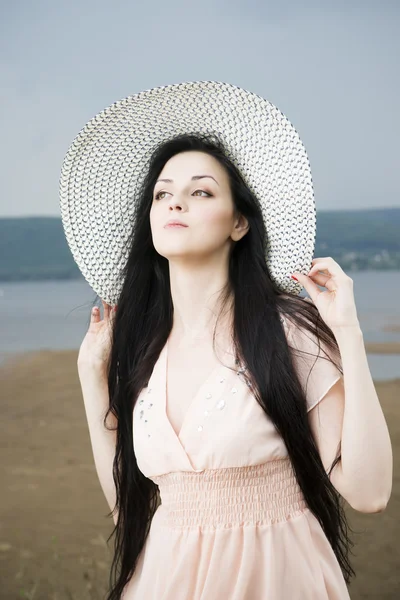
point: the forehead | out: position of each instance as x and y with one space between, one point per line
186 164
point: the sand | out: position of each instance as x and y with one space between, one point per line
53 524
383 348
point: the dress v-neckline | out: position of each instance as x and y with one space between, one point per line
213 373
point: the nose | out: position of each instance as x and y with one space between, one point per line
176 204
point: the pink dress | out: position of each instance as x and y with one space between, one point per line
232 523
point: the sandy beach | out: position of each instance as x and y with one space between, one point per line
53 524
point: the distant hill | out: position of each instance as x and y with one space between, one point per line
35 248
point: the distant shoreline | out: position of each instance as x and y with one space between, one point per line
20 359
73 274
35 249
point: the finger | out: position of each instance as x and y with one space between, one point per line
310 286
320 278
321 270
323 280
323 258
325 264
95 315
106 308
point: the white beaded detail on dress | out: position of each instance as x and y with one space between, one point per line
142 411
222 402
145 406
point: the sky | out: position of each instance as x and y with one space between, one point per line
331 67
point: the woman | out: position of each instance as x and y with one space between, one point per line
230 435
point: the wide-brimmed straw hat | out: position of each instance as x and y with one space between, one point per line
103 171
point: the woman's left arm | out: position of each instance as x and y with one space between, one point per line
350 412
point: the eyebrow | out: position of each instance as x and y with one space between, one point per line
194 178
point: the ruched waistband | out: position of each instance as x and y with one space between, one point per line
258 494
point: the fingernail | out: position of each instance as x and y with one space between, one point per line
293 277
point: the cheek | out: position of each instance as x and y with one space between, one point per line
154 219
219 221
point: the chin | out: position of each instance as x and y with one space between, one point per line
171 251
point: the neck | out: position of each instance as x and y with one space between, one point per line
195 290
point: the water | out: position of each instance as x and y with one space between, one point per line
55 315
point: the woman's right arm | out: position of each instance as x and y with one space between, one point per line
92 360
103 441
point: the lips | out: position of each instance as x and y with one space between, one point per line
174 224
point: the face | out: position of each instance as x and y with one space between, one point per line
197 194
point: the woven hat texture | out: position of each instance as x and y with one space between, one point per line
106 163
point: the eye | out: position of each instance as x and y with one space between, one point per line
157 196
202 191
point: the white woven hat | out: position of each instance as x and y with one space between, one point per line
106 163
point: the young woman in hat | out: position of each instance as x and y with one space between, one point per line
228 416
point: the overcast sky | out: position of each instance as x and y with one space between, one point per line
331 67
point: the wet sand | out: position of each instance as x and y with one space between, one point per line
383 348
53 524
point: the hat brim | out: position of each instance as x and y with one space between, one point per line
104 167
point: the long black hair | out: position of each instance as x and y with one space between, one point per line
141 327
